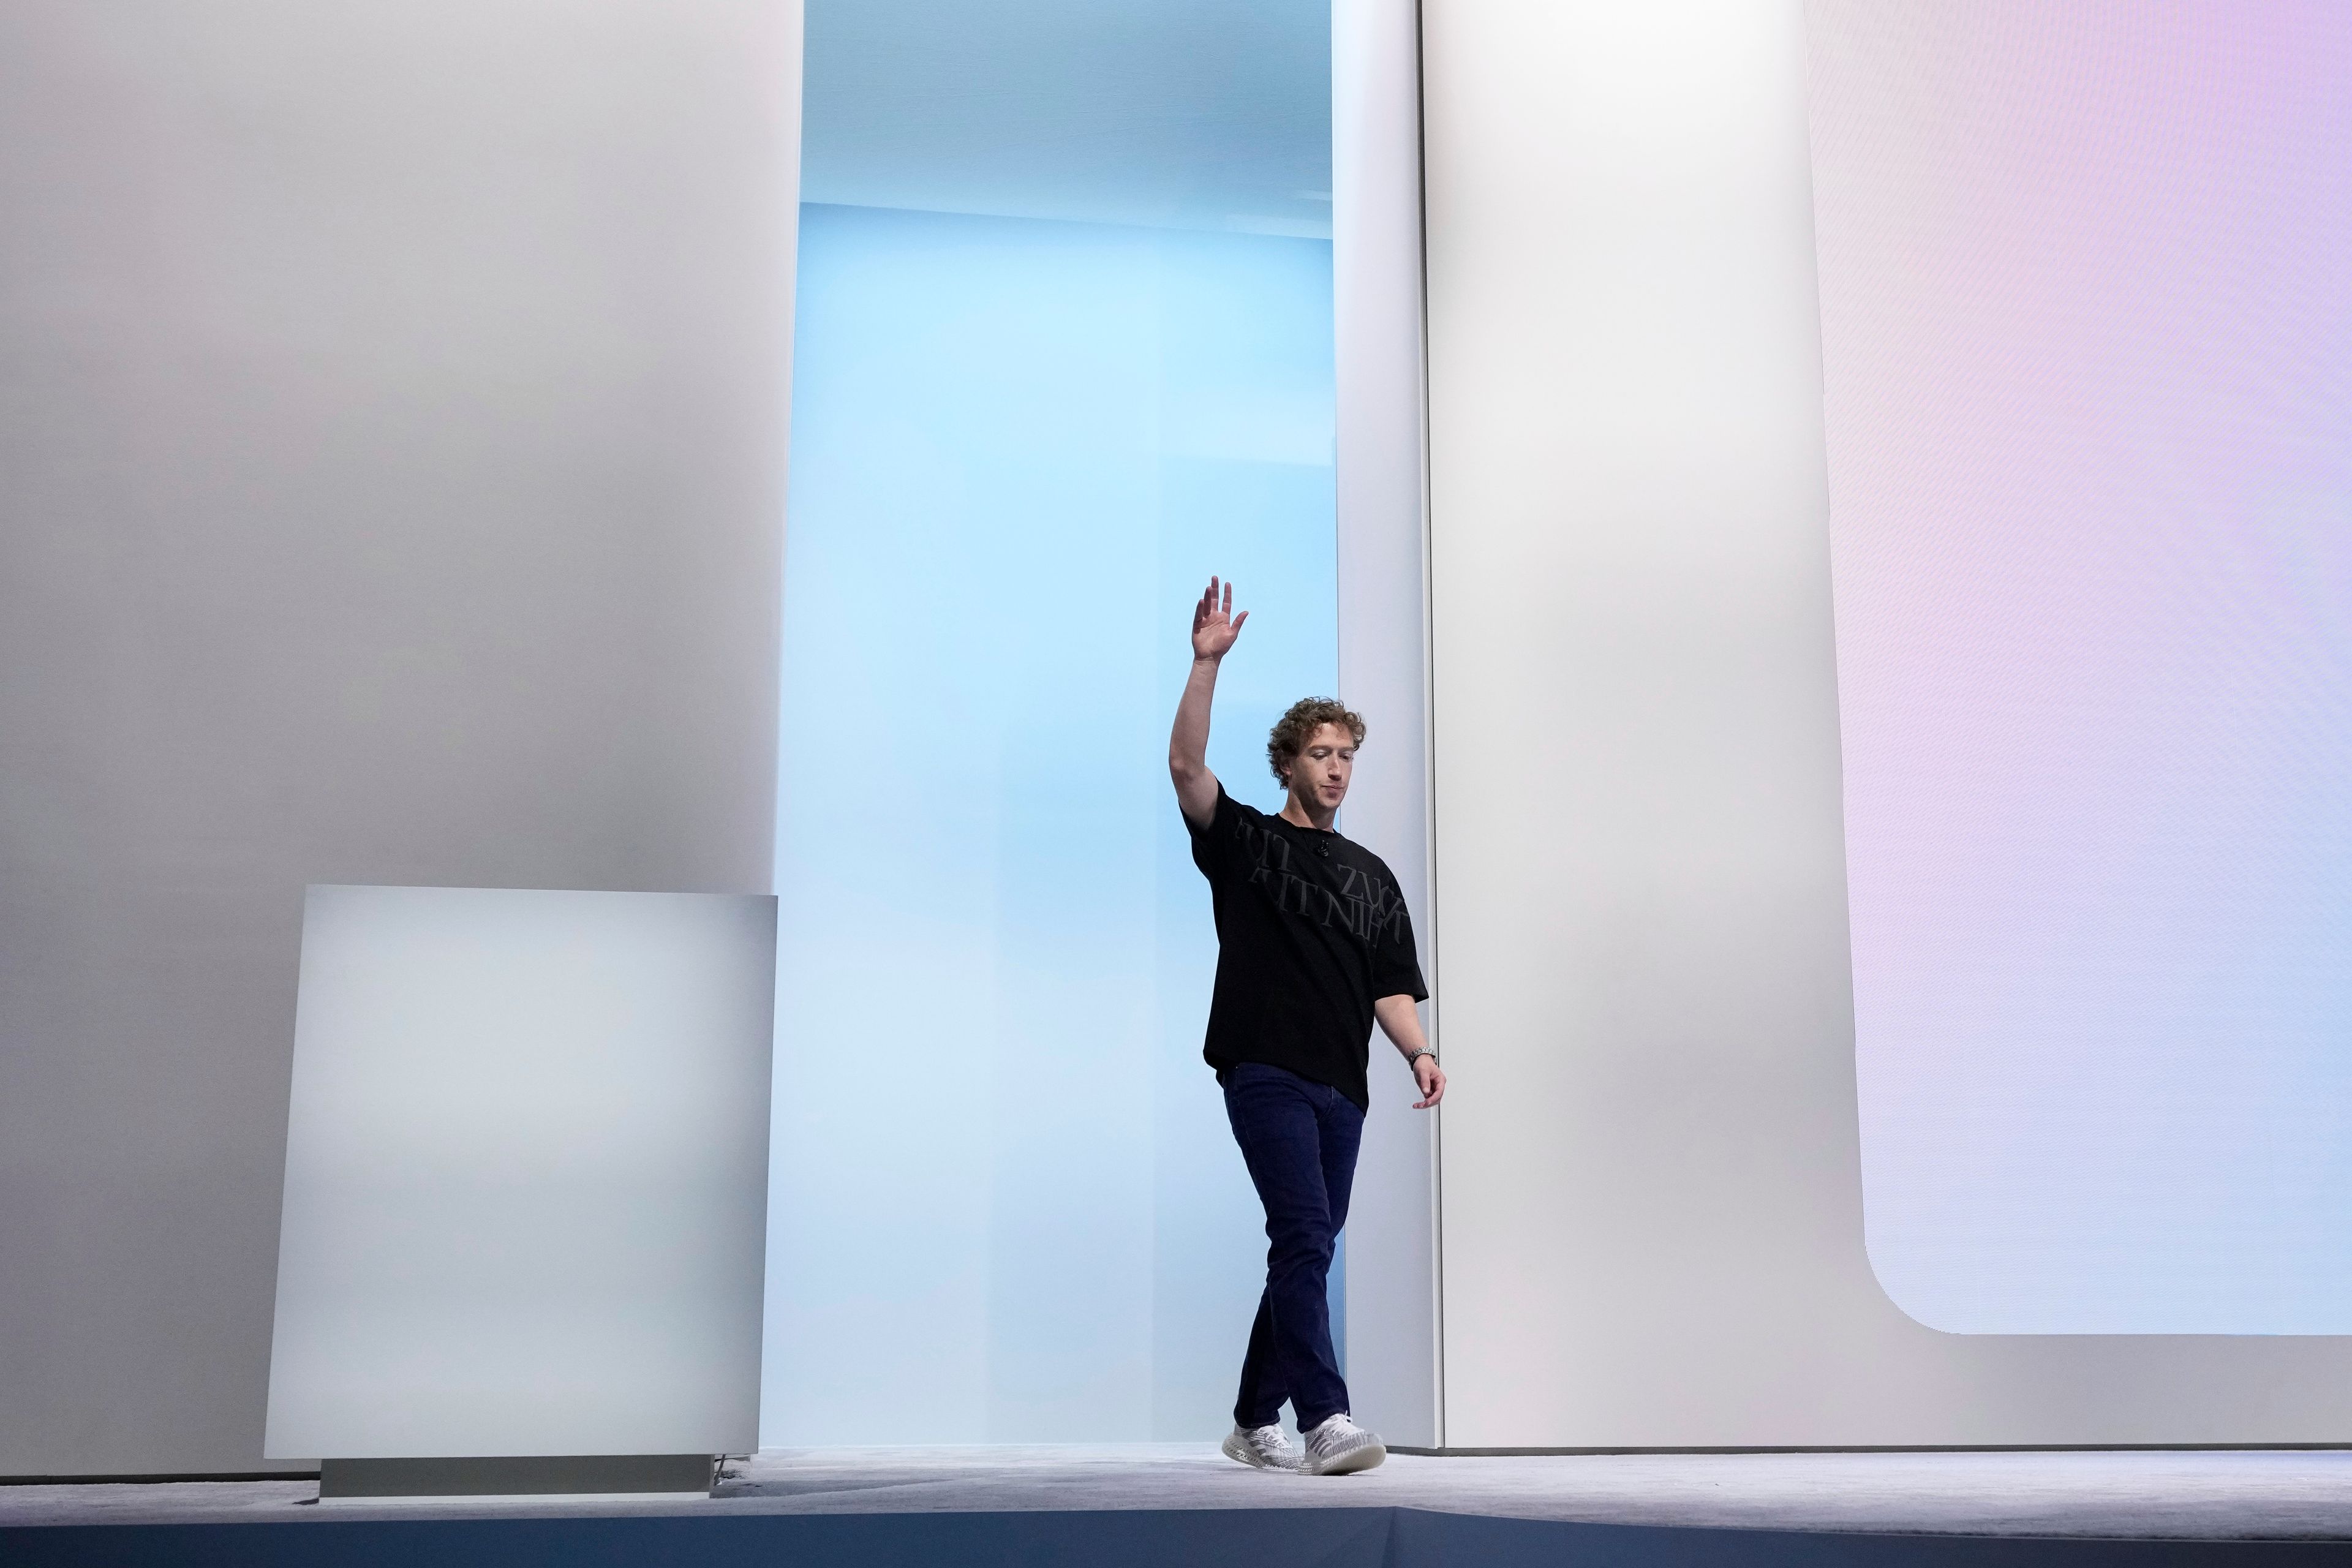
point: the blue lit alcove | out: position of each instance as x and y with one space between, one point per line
1064 349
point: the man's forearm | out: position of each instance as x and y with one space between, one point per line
1399 1020
1188 744
1215 628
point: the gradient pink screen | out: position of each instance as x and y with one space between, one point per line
2087 284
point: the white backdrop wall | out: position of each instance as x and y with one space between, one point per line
1652 1201
391 434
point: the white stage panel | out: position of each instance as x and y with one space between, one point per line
1653 1203
525 1174
1391 1255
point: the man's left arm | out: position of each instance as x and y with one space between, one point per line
1399 1020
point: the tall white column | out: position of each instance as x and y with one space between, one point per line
1391 1302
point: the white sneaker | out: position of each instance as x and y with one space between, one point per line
1340 1447
1267 1447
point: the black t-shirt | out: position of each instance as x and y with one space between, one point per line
1310 929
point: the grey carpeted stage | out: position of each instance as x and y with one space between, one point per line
1178 1503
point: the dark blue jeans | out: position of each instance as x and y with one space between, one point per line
1299 1140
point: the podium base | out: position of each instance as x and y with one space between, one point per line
512 1477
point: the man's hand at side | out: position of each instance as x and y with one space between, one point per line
1431 1081
1399 1020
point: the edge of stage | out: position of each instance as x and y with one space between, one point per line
1182 1503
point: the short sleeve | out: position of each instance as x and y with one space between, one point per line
1218 848
1396 964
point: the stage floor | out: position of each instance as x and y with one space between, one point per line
2204 1496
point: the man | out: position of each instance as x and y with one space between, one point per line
1313 945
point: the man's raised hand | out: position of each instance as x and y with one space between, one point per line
1215 628
1214 624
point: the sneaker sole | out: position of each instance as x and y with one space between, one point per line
1233 1448
1364 1458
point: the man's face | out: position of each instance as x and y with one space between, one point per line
1325 765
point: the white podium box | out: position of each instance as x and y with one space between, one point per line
526 1175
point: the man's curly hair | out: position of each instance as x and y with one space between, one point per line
1292 731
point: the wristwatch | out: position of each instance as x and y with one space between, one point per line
1412 1057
